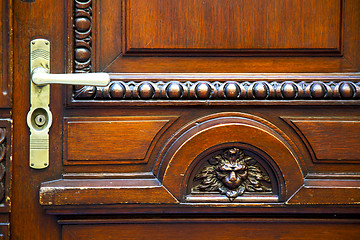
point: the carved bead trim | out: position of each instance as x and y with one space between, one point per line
2 163
231 173
82 33
82 27
229 90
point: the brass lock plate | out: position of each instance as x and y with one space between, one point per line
39 118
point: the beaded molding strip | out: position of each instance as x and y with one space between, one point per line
228 90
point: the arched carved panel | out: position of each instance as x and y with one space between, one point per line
233 172
188 152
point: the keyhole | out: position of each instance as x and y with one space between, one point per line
40 120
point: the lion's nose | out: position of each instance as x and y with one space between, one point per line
232 176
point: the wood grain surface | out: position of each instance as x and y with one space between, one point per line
5 54
232 26
122 158
218 229
331 139
109 139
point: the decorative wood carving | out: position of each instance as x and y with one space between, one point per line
187 152
232 173
2 164
82 26
228 90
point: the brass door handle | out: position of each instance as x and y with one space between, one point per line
41 76
39 117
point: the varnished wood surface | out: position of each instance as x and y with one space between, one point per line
5 231
112 139
6 64
190 113
113 191
216 229
6 32
184 26
113 60
323 195
343 143
38 19
133 200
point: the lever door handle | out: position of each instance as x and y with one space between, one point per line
41 76
39 117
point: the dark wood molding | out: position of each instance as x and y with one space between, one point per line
104 191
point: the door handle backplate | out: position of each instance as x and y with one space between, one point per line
39 117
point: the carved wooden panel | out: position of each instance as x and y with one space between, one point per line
184 26
330 139
3 150
230 159
5 165
5 178
233 173
4 231
112 140
180 162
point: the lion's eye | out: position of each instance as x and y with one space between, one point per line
225 168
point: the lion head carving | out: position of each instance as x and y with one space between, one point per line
231 173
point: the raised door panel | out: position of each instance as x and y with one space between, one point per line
220 36
330 139
231 27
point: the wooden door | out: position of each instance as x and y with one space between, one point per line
224 119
